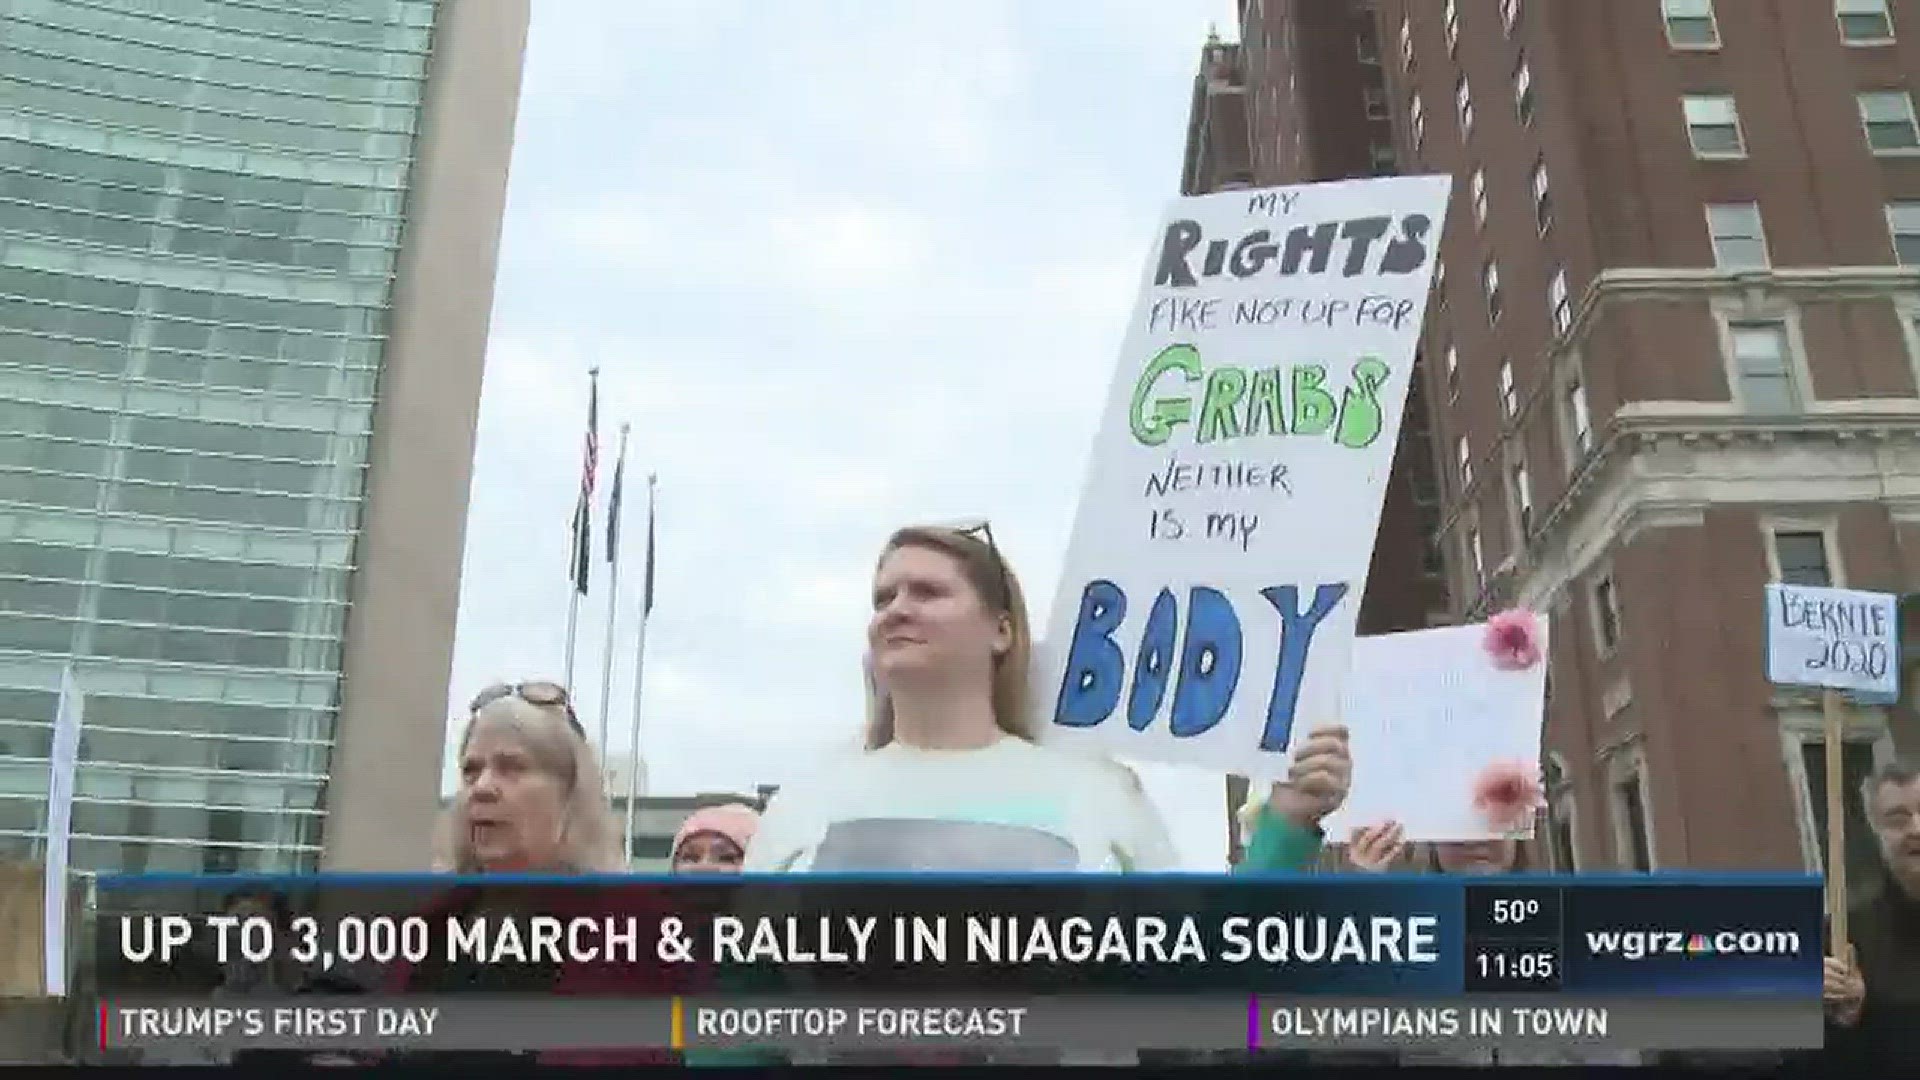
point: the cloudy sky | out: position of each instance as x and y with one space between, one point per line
843 266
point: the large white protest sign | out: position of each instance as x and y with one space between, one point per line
1837 639
1214 573
1427 713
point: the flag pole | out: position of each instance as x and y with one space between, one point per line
573 616
576 561
613 592
639 676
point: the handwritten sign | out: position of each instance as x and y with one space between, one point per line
1426 712
1214 573
1837 639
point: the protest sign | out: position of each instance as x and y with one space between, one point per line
1835 639
1427 714
1841 641
1213 576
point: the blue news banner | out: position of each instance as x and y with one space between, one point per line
807 963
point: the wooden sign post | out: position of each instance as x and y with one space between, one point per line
1835 710
1842 642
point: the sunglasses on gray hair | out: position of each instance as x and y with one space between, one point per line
538 692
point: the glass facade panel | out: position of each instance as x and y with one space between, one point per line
200 207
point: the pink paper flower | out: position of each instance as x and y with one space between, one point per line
1513 640
1506 794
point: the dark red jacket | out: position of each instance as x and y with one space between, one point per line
604 978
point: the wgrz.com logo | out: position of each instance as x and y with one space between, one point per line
1642 944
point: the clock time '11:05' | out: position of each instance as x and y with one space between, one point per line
1524 966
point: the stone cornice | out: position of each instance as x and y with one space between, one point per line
1624 485
1629 284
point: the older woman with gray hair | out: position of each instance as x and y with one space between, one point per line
531 797
531 800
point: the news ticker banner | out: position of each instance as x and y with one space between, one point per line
1420 936
803 1023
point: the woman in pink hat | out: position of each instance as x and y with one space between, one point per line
714 839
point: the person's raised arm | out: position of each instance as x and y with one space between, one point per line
1283 828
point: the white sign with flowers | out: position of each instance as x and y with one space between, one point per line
1445 727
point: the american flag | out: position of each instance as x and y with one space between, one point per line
591 470
582 556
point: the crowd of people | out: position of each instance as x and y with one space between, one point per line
951 781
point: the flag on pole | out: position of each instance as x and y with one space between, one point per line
63 760
613 500
646 603
582 556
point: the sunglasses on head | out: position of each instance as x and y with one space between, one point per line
540 692
979 529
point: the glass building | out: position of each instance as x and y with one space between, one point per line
206 372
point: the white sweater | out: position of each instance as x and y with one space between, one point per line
1011 807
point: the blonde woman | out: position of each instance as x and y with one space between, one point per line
952 780
531 801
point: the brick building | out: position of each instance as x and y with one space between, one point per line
1677 325
1302 98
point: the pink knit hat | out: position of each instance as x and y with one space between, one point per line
732 820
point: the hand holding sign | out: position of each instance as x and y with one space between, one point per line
1318 781
1375 848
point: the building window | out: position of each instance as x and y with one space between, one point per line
1606 614
1690 24
1367 47
1864 22
1633 824
1477 558
1739 240
1384 160
1856 764
1509 14
1765 381
1431 561
1523 91
1888 116
1509 392
1903 225
1802 557
1376 99
1406 44
1490 281
1464 459
1559 302
1417 121
1542 197
1463 104
1579 424
1713 126
1522 501
1453 374
1453 24
1478 186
